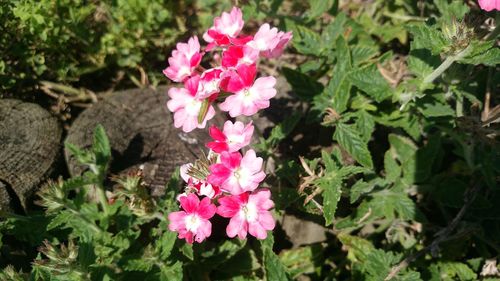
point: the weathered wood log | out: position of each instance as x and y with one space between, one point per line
29 146
140 130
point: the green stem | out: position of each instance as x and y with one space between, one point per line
103 199
445 65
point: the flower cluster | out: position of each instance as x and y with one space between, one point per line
226 182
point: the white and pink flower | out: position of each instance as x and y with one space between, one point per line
184 60
200 186
265 39
192 223
187 107
209 83
277 51
225 28
232 138
249 213
249 96
236 55
235 174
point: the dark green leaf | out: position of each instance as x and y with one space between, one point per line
351 141
370 81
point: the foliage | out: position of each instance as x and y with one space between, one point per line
73 42
406 184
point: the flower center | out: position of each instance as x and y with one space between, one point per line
235 139
193 107
192 221
249 211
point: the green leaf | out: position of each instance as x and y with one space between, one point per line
428 37
483 52
302 260
302 85
101 147
187 251
365 124
357 247
166 243
317 8
333 30
305 41
173 272
82 156
275 270
332 190
348 138
455 9
391 167
436 110
370 81
60 219
337 92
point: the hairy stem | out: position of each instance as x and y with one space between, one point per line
445 65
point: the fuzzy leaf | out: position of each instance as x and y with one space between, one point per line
348 138
370 81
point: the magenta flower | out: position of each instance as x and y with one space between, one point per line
249 213
184 60
265 39
489 5
235 174
249 96
233 137
283 39
225 28
236 55
193 222
187 107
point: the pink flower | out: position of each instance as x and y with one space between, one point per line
275 52
225 27
209 83
489 5
187 107
265 39
233 138
193 221
249 213
249 96
236 55
236 174
184 60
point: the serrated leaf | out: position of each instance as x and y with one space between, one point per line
317 8
337 93
351 141
370 81
333 30
275 270
187 251
59 219
428 37
305 40
82 156
365 124
357 247
302 85
391 167
483 52
166 243
301 260
436 110
363 53
101 147
332 190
